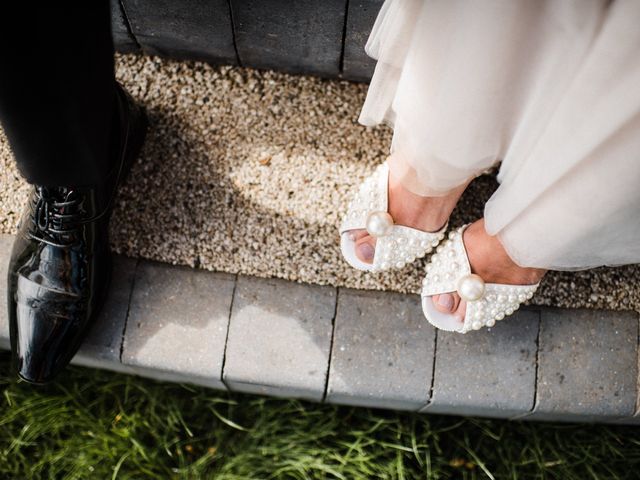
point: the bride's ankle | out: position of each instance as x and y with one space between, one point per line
489 259
428 214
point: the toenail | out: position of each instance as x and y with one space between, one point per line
445 301
366 251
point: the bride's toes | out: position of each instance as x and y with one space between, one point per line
355 235
366 248
461 310
451 303
446 302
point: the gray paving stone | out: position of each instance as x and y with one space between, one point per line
177 324
101 348
123 41
304 36
279 338
490 372
635 419
186 29
356 64
6 241
383 350
587 365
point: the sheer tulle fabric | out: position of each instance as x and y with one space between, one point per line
551 89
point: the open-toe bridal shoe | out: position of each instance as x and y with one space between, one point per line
449 272
396 245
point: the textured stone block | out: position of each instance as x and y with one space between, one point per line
186 30
356 64
279 338
490 372
635 419
101 348
587 365
6 241
304 36
123 40
177 324
383 351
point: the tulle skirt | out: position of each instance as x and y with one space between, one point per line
549 90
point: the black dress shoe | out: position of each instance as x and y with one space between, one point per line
60 263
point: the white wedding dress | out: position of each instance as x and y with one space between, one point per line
548 88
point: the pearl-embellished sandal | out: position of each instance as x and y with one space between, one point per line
449 271
396 245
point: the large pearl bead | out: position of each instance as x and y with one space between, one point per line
379 224
471 288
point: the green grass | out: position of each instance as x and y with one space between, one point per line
94 424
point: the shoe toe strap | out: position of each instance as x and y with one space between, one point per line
449 271
402 246
371 197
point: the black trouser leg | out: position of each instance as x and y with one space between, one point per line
57 90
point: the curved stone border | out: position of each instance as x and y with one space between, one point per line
353 347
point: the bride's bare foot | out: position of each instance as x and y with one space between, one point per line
428 214
488 259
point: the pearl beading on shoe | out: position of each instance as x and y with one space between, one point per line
396 245
449 271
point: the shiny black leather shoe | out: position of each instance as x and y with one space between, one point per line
60 263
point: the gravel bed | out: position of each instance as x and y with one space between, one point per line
248 171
